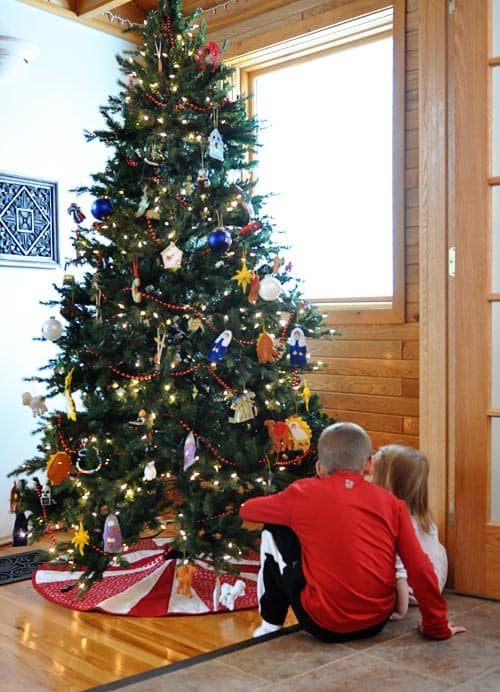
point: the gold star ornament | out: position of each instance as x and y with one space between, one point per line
243 276
81 538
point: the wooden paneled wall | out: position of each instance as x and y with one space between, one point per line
371 371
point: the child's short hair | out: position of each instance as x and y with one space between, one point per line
343 446
405 471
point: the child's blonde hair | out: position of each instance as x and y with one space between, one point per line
405 472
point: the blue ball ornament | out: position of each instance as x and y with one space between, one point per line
102 209
219 240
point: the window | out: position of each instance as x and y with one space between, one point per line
331 109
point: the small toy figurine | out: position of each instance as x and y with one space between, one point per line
228 593
184 574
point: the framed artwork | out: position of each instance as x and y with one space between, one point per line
28 222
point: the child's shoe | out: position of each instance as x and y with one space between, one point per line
265 628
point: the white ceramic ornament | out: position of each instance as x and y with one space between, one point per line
150 471
52 329
269 288
172 257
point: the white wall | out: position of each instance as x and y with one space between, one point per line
44 109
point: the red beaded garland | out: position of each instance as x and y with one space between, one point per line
154 100
151 231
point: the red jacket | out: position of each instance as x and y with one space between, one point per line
350 531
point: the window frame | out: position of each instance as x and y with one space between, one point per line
349 26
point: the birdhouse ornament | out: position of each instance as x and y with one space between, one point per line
216 145
172 257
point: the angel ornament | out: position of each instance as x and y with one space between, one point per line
297 347
244 408
220 345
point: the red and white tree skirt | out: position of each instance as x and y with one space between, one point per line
150 586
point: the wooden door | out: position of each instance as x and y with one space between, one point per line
474 364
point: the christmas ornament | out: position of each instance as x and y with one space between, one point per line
243 276
68 280
202 179
14 498
89 455
112 535
269 288
46 496
297 347
280 435
229 593
150 472
81 538
158 51
143 204
195 323
97 297
172 257
36 403
101 209
266 352
208 57
20 530
254 289
59 467
246 201
306 395
216 145
141 418
77 214
219 240
52 329
189 451
220 345
184 575
300 433
244 408
71 415
251 227
161 335
136 283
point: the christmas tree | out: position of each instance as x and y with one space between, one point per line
184 338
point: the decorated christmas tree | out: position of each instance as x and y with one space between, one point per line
182 338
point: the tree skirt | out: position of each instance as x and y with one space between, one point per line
152 585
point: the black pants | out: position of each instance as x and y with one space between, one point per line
281 581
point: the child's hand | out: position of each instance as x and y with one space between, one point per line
396 616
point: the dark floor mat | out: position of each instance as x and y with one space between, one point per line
20 566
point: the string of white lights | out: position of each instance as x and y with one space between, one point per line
112 17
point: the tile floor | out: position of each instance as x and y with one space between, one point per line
399 658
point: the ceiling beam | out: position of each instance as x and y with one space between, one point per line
88 9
